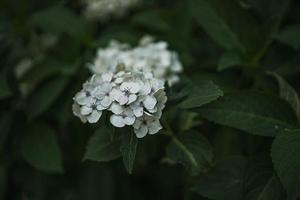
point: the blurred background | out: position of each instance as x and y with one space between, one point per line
44 50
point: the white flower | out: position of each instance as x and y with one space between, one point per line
148 57
103 9
93 98
126 118
133 98
91 113
146 125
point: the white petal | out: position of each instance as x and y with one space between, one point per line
145 89
117 121
118 80
138 111
114 93
100 107
131 98
154 127
106 87
141 132
82 99
122 99
80 95
76 112
150 102
85 110
125 86
134 88
153 110
98 92
129 120
94 116
137 124
128 112
107 77
106 101
96 79
116 108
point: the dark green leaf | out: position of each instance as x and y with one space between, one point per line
44 96
229 59
5 91
59 20
5 126
285 155
288 93
251 112
203 93
215 25
272 190
3 182
224 182
152 20
290 36
41 150
238 178
101 147
192 150
128 150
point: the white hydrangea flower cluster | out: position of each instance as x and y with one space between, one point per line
148 56
133 99
104 9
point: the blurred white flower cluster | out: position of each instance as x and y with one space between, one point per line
132 98
148 56
104 9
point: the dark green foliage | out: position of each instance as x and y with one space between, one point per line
40 148
230 126
102 147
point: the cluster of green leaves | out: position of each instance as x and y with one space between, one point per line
231 128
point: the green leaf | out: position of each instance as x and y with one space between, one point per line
6 122
151 19
290 36
285 155
229 59
271 13
192 150
5 91
203 93
128 150
101 147
215 25
225 181
41 150
45 96
58 20
3 182
239 178
288 93
251 112
272 190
